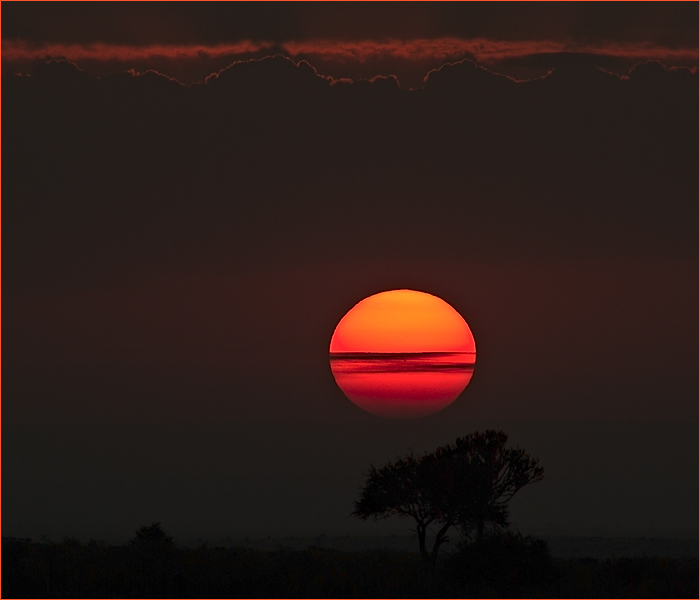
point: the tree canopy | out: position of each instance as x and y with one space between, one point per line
152 536
466 484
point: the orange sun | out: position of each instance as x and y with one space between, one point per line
402 354
402 321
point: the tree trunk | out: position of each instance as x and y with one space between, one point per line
480 531
438 542
420 530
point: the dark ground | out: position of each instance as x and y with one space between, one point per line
563 546
94 570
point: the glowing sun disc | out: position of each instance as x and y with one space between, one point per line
402 354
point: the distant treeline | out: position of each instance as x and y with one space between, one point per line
514 567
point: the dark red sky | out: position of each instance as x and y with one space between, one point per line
177 256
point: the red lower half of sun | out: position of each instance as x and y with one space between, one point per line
402 354
403 394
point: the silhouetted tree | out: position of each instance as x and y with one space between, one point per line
479 475
466 484
403 488
153 558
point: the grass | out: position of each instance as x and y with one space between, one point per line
73 570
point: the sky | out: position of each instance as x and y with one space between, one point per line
195 194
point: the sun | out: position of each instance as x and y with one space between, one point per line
402 321
402 354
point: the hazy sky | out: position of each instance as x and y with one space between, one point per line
187 218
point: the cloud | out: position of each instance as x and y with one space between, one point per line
272 71
484 50
13 50
410 59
